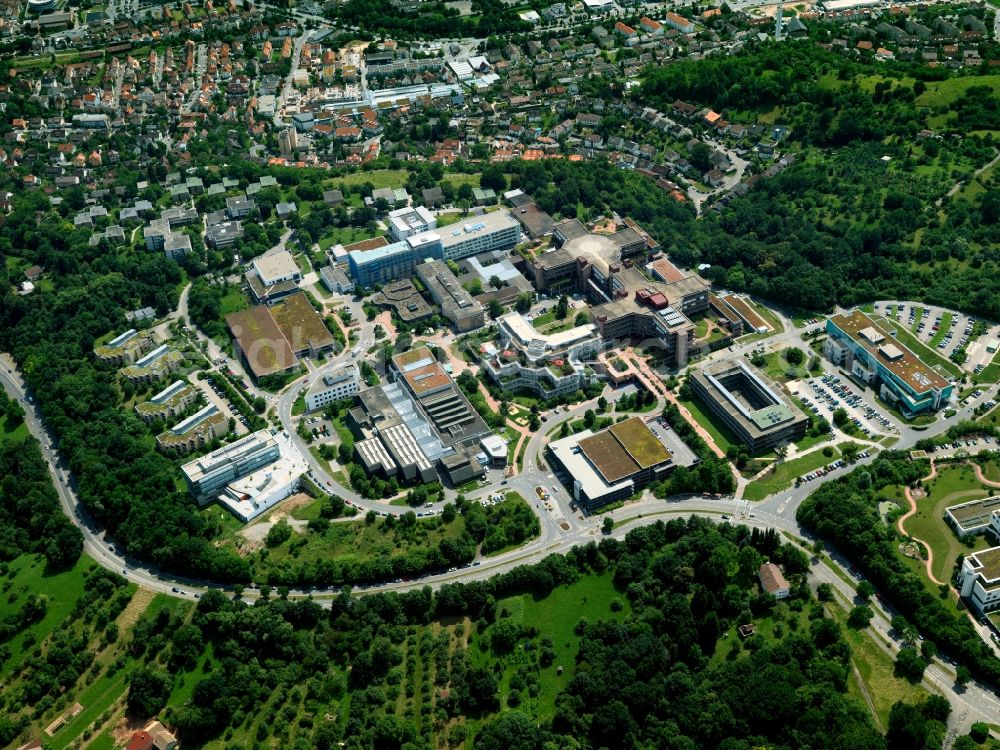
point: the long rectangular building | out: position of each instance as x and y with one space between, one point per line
208 475
457 305
871 354
748 403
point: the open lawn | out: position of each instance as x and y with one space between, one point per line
556 616
342 236
13 429
952 486
28 574
943 93
784 474
721 434
359 540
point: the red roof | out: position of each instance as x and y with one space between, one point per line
140 741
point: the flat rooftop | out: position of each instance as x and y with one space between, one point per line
526 333
495 221
261 341
974 512
988 563
300 324
427 378
276 266
889 352
666 270
624 449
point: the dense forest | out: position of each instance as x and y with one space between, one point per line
649 681
845 512
31 518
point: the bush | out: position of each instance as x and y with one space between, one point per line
280 533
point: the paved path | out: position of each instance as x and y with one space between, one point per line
900 524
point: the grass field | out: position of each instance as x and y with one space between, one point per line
29 573
342 236
359 540
876 668
15 429
943 93
721 434
953 485
556 616
785 473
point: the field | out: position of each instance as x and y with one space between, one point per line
722 435
953 485
784 474
876 670
943 93
13 429
556 616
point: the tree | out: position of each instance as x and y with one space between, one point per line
824 592
589 418
148 691
909 665
865 590
840 417
850 452
979 732
963 676
523 302
495 308
794 356
278 534
608 525
562 307
860 617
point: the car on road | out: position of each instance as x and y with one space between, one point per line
175 589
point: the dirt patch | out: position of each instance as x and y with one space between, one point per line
918 493
564 526
123 729
251 538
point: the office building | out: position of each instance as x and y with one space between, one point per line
258 491
749 404
627 304
975 517
271 338
223 235
615 463
480 234
979 580
208 475
396 261
419 425
873 356
548 365
176 246
168 403
273 277
406 222
457 305
344 383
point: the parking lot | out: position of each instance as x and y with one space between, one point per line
824 395
218 397
944 331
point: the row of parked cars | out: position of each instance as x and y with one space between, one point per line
823 471
237 414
